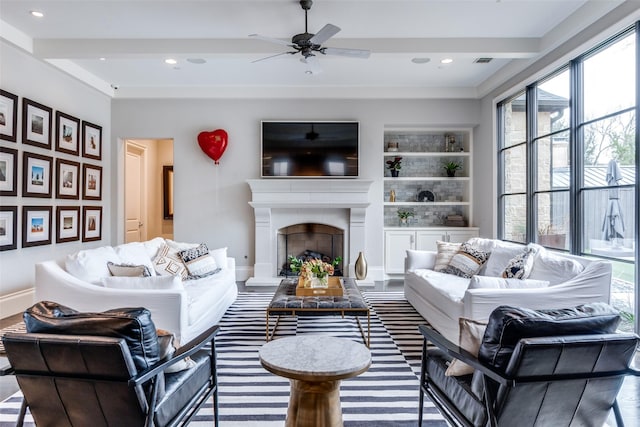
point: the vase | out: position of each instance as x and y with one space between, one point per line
361 267
320 282
394 173
451 174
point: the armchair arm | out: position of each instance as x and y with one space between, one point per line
184 351
460 353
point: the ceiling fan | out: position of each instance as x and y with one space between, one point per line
308 44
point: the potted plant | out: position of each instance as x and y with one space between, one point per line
404 216
551 236
394 166
451 167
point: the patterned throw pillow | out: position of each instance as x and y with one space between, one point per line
168 263
467 261
128 270
446 251
520 266
198 261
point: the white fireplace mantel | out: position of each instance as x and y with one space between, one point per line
277 203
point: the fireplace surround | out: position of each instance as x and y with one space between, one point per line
279 203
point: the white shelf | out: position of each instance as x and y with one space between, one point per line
426 154
427 204
426 178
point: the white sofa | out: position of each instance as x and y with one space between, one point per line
442 299
184 307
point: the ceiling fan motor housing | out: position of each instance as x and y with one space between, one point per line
306 4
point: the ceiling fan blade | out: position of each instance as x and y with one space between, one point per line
270 39
312 63
324 34
273 56
352 53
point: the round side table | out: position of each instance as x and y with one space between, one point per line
315 364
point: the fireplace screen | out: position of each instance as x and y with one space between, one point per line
308 241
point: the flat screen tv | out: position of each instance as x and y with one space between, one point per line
310 149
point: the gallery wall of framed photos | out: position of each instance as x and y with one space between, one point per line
51 175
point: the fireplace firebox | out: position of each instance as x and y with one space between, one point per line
307 241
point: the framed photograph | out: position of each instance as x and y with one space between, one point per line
36 180
36 223
91 223
36 124
67 223
92 182
67 133
67 179
91 141
8 172
8 116
8 228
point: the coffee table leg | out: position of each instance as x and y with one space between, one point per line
314 404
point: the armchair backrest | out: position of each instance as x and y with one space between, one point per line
76 380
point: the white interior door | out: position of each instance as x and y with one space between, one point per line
135 193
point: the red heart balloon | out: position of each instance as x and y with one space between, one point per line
213 143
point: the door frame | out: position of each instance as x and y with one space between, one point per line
141 150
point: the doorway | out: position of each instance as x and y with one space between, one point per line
144 192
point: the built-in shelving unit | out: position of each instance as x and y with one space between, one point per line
441 204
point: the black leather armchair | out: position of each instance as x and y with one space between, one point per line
107 371
546 367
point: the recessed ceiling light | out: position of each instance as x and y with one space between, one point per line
196 60
421 60
446 61
103 59
170 61
308 72
36 13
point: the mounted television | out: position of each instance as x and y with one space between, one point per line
310 149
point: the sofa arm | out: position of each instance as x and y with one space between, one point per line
419 259
168 306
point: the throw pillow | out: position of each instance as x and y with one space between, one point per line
554 268
135 253
471 333
486 282
220 255
418 259
446 251
519 267
198 261
467 261
154 282
500 257
91 265
128 270
167 346
168 263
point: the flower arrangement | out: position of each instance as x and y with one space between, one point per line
313 268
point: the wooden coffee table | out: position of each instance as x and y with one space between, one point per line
285 302
315 364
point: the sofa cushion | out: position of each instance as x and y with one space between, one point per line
554 268
507 325
445 253
203 294
153 282
486 282
128 270
467 261
90 265
134 325
198 261
220 256
136 253
519 267
168 263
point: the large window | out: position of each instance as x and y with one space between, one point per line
568 153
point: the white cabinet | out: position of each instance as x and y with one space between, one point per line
398 240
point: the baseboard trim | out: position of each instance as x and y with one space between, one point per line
16 302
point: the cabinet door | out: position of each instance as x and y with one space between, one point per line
461 236
396 244
426 240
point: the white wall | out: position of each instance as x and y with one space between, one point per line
211 202
27 77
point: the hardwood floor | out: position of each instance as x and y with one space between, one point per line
628 398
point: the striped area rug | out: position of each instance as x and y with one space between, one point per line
385 395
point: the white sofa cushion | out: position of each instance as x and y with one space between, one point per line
554 268
135 253
153 282
202 293
90 265
220 256
448 286
486 282
499 259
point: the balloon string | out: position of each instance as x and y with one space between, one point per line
217 186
